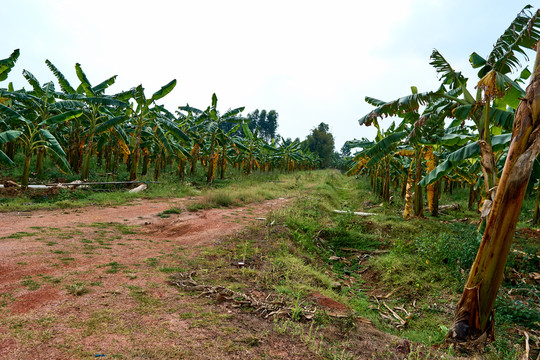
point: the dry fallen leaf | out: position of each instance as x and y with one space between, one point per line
535 276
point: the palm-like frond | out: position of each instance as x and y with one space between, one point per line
447 74
165 89
85 83
7 64
457 157
384 147
397 107
64 84
33 82
522 34
100 88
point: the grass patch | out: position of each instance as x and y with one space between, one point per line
30 283
20 235
77 289
168 212
113 267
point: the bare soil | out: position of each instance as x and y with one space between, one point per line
93 281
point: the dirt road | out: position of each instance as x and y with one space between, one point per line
92 281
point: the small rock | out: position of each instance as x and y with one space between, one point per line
139 188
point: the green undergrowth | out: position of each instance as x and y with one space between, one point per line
236 190
369 263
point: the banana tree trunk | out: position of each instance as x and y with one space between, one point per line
26 170
210 174
474 313
146 160
157 168
418 198
386 184
490 178
181 172
408 194
135 159
194 158
39 162
222 163
404 185
472 196
85 171
432 189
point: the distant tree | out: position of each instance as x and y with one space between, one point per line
346 150
261 122
321 142
254 120
265 121
271 125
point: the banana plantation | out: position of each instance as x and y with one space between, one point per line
80 127
481 134
478 136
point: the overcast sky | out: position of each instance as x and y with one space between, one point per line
311 61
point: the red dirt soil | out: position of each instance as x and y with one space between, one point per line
125 308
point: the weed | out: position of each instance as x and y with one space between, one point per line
5 299
166 213
114 267
153 262
20 235
29 283
522 312
51 279
77 289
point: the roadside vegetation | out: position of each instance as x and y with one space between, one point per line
485 139
378 266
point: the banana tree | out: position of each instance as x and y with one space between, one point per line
492 110
40 104
141 116
207 132
168 138
250 145
417 130
34 136
474 316
101 112
289 155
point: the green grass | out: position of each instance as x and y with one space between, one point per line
20 235
421 264
173 210
113 267
77 289
30 283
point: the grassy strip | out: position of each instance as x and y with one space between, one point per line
234 191
419 265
